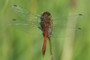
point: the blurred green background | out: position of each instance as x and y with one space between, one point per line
20 38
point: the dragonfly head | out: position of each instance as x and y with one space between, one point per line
45 15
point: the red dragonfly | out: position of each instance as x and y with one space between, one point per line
46 28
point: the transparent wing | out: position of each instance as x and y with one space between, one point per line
32 19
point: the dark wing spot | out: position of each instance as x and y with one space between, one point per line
14 19
15 5
80 14
79 28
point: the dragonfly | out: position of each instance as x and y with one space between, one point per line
46 27
47 31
